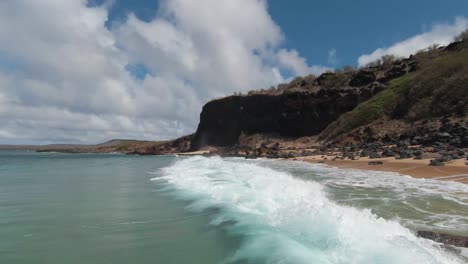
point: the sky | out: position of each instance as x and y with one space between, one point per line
80 71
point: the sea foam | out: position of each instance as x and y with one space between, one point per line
283 219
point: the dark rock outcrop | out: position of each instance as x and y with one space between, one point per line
363 77
447 239
289 114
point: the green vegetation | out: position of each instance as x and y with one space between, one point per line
438 88
441 87
386 61
371 110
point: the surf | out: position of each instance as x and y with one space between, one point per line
283 219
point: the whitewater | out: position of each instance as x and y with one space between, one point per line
292 212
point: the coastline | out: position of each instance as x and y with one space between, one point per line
455 170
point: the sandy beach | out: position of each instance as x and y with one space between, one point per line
455 170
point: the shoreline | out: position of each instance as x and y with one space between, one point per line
455 170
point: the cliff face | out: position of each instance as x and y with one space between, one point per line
428 85
289 114
305 107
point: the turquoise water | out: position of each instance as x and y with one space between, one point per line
87 208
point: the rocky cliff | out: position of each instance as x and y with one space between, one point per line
305 107
418 97
294 113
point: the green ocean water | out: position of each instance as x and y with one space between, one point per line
86 208
103 208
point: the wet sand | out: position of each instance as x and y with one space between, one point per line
455 170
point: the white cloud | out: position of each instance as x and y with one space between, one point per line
291 60
441 34
69 82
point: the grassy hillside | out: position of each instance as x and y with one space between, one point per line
438 88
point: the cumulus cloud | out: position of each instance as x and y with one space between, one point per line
441 34
291 60
64 77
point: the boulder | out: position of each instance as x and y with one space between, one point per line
436 162
458 241
395 72
444 137
388 153
405 154
363 77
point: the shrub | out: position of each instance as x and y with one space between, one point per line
282 86
310 78
348 69
296 82
433 47
388 59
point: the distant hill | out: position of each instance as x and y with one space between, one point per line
115 145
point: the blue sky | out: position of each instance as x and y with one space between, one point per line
352 28
80 71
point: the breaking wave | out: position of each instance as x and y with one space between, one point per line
283 219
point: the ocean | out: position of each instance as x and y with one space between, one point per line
112 208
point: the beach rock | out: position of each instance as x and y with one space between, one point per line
388 153
436 162
405 154
378 162
364 153
275 147
444 137
273 156
417 140
403 143
458 241
464 142
416 152
446 158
